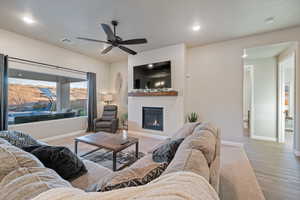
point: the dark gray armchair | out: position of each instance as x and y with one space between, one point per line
109 121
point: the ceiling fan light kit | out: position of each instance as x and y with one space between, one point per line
114 40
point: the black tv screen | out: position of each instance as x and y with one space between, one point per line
152 76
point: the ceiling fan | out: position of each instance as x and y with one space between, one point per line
115 41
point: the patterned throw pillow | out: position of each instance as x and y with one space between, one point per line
140 173
19 139
167 151
142 180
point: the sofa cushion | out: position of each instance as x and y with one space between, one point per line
140 173
95 172
166 152
191 160
201 140
60 159
27 183
103 124
108 115
14 159
174 186
185 131
207 126
19 139
3 141
205 139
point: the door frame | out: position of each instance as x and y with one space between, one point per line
280 104
281 99
250 68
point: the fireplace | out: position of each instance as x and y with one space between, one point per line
153 118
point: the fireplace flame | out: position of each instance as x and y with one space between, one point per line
156 123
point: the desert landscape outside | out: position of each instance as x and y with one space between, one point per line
32 100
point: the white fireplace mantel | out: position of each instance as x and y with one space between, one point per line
173 104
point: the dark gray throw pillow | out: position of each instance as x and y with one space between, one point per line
60 159
166 152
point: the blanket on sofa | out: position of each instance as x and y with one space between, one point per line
173 186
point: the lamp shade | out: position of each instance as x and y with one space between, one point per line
108 97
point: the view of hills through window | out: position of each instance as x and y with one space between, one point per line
32 100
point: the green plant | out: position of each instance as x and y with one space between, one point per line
124 117
193 117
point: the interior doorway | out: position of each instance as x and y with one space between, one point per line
269 92
248 99
286 98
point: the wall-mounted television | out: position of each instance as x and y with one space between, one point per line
152 76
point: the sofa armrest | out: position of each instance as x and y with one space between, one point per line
95 122
98 120
215 165
115 125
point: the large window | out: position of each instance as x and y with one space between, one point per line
34 96
78 97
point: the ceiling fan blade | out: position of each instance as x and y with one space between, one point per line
107 50
91 40
128 50
109 32
134 41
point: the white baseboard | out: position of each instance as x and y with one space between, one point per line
160 137
297 153
256 137
230 143
49 139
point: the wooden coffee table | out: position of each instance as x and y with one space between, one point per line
110 142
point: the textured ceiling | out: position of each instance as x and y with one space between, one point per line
162 22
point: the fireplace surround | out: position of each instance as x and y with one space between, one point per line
153 118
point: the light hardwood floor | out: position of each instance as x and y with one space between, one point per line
276 168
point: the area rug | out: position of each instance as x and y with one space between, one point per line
105 158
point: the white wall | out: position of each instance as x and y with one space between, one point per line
173 106
119 85
19 46
265 97
215 88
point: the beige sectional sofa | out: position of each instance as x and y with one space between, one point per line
196 162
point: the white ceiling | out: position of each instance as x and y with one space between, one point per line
162 22
267 51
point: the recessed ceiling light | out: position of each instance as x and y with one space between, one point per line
270 20
150 66
28 20
196 28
